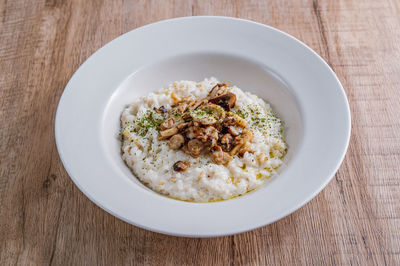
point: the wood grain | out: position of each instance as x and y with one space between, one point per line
45 219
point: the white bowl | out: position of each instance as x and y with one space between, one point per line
299 85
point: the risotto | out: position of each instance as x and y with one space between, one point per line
203 141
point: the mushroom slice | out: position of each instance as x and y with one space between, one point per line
213 92
234 131
186 117
198 103
193 104
182 126
182 107
235 149
176 141
194 132
178 109
247 135
234 119
226 142
208 114
220 157
165 134
210 134
181 166
217 90
226 101
192 123
190 132
241 140
167 123
195 147
245 148
205 120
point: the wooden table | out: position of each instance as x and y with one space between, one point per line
45 219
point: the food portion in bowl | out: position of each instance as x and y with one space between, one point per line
203 141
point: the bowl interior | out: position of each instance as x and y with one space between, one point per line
246 74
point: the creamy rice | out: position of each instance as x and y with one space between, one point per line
151 159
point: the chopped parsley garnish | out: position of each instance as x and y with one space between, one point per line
147 121
259 119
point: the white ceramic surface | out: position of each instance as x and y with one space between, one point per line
300 86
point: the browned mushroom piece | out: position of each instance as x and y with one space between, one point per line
205 120
218 156
241 140
194 132
226 142
198 103
233 131
178 109
182 107
176 141
219 127
181 166
233 119
240 121
226 101
213 92
193 123
165 134
217 90
247 134
215 109
208 114
181 126
245 148
187 117
235 149
185 149
195 147
210 135
167 123
193 104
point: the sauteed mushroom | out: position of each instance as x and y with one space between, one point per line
167 123
195 147
220 157
181 166
176 141
226 101
207 125
226 142
165 134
